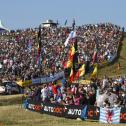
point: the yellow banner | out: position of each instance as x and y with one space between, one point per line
24 83
83 81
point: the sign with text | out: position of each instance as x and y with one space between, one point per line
68 111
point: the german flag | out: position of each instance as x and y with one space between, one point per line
75 57
71 75
39 47
68 64
39 41
80 72
94 58
72 52
72 61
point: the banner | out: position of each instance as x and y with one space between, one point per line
110 115
24 83
53 78
68 111
41 80
84 82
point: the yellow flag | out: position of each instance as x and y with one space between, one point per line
94 74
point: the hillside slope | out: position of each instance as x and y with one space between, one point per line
16 115
112 69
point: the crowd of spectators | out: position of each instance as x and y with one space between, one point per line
101 38
105 92
19 60
18 49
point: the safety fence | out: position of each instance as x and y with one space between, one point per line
68 111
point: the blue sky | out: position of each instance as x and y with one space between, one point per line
30 13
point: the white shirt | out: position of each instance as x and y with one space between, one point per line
105 83
100 100
44 92
1 65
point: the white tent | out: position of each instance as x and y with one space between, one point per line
2 28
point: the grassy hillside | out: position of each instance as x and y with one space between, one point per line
10 100
112 69
16 115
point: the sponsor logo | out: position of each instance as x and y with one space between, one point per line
35 107
74 112
123 116
92 113
54 109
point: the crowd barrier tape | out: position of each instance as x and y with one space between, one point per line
53 78
67 111
41 80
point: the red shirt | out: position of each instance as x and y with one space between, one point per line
54 89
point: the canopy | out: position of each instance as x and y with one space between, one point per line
2 28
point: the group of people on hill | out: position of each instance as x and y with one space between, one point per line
19 60
105 92
19 49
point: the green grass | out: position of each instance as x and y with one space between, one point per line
111 69
16 115
10 99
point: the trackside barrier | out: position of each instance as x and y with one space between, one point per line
67 111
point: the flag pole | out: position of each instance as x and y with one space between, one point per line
39 47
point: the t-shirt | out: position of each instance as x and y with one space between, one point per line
54 89
44 92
